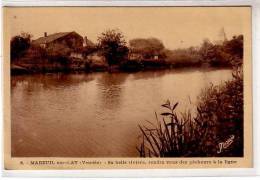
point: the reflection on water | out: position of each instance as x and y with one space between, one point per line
97 114
111 89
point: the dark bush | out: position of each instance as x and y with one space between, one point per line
19 44
131 65
153 63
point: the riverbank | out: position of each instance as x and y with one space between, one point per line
86 66
75 66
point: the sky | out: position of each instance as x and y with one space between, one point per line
176 27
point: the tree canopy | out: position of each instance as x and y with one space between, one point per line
19 44
113 46
229 53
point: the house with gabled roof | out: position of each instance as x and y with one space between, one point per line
66 43
70 40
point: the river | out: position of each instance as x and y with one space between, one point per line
96 114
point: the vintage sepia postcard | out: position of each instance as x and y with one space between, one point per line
127 87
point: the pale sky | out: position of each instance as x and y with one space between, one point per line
176 27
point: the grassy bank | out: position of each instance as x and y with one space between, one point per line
216 130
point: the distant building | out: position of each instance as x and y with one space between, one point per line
135 56
70 40
140 56
62 42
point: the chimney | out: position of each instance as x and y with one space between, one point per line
85 41
45 34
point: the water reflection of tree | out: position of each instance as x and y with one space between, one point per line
111 87
49 81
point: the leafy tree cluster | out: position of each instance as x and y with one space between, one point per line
113 46
229 53
19 45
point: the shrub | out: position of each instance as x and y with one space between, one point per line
224 106
219 118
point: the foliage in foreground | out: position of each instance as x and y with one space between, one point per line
215 130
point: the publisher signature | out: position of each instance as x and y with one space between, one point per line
224 145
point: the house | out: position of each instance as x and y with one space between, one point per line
66 43
141 56
135 56
70 40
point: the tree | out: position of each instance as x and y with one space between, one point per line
206 49
113 46
235 48
19 44
148 47
229 53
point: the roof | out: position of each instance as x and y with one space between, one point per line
89 43
50 38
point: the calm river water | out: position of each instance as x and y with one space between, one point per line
97 114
